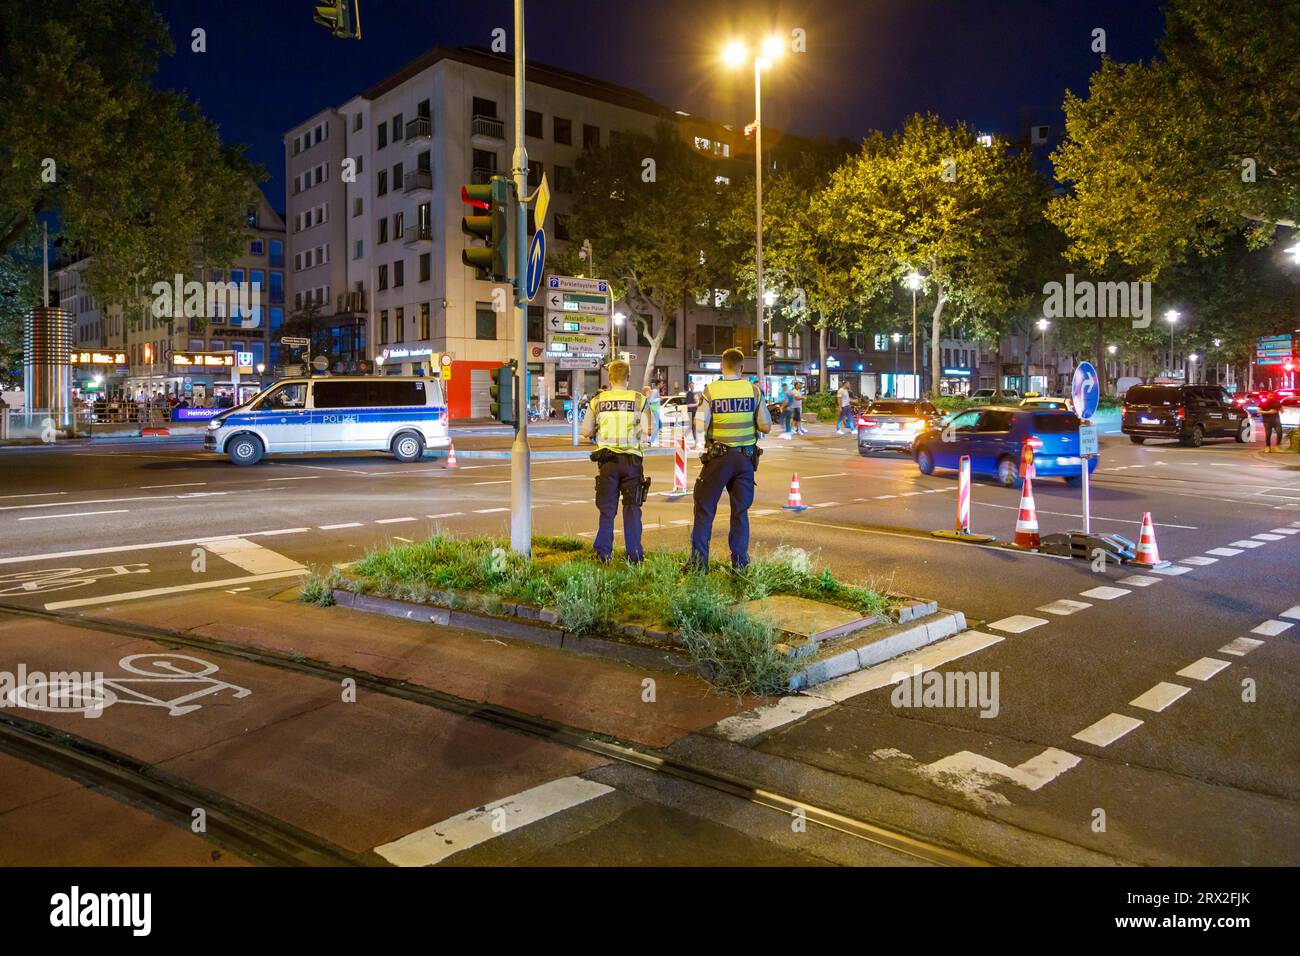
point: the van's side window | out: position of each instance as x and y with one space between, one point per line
394 393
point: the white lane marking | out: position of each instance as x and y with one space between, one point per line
907 666
1108 730
335 527
909 494
1159 697
1266 537
1272 628
1033 774
824 504
1105 593
400 538
35 494
883 497
76 514
176 589
650 527
1138 581
1203 669
84 552
435 843
92 501
1063 607
1224 552
504 481
251 557
760 720
297 478
488 511
1240 646
1170 572
1277 530
1247 543
838 474
1199 561
1292 612
1068 514
183 484
393 520
682 521
1018 623
760 512
447 514
266 534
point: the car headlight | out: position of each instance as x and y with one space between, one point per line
213 425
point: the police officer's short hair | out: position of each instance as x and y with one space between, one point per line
733 360
619 372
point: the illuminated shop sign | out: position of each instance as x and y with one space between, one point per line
98 358
203 359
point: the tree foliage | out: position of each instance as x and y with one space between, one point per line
135 177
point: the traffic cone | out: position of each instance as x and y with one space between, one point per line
1148 555
451 456
796 499
1027 519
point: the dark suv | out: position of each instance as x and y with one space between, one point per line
1190 413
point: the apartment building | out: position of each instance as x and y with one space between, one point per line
393 290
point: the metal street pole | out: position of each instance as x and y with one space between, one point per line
521 504
916 382
573 375
758 213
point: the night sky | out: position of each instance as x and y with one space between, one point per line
869 63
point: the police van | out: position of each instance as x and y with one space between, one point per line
401 414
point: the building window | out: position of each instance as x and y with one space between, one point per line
277 286
533 124
399 273
357 206
382 130
562 130
397 175
426 264
485 321
484 107
356 122
564 181
277 318
383 326
383 231
257 248
424 321
856 341
422 109
383 276
399 224
277 254
381 187
399 324
590 136
535 170
397 128
360 250
423 162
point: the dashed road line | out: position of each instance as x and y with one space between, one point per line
76 514
1203 669
1272 628
1064 607
447 514
1105 593
1018 623
1108 730
1247 543
489 511
336 527
1138 581
1170 572
392 520
1240 647
1199 561
1159 697
1225 552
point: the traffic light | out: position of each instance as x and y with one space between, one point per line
491 260
502 391
343 17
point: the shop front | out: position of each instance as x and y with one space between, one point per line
955 381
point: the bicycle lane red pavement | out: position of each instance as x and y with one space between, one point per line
358 774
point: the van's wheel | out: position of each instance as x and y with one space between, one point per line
408 447
924 462
1009 473
1243 433
245 449
1137 439
1197 437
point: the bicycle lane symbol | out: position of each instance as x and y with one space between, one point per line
148 688
61 579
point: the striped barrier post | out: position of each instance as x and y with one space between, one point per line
963 532
679 470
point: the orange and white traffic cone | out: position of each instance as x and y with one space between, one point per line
451 456
1148 555
1027 519
795 503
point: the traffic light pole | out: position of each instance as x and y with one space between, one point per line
521 504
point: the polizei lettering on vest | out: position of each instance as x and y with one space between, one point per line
617 405
723 406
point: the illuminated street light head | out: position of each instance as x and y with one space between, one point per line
769 297
1193 357
1171 316
734 53
773 47
1218 343
1043 324
1112 349
913 280
898 336
618 318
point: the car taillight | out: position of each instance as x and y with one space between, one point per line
1180 414
866 423
1034 442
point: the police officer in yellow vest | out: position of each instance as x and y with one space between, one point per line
617 419
731 415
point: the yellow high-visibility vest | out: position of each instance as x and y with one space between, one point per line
618 420
734 406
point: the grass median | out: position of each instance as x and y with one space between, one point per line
598 599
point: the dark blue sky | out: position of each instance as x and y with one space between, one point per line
869 63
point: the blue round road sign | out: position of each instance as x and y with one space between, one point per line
1086 390
536 260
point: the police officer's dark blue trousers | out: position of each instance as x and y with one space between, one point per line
620 475
734 473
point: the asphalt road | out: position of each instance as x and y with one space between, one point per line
1208 775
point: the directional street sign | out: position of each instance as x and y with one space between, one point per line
584 302
1086 391
577 284
536 262
574 322
1087 440
577 343
290 340
575 362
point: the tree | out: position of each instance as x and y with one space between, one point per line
134 177
649 205
1167 158
19 289
933 198
302 323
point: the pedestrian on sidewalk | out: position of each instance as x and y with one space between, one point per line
692 403
1270 409
845 421
652 396
796 408
784 398
618 419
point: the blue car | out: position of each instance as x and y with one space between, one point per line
994 437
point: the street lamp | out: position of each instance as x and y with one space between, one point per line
619 319
897 337
1171 317
913 281
734 55
1042 327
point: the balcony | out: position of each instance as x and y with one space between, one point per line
479 175
488 127
417 181
419 130
349 303
418 236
